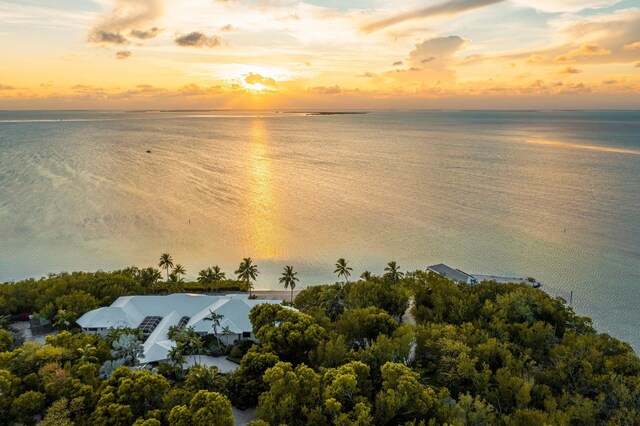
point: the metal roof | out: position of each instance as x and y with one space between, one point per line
189 310
449 272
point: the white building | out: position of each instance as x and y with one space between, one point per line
155 314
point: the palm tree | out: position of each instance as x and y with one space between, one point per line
204 277
217 275
215 318
342 269
175 283
176 356
392 272
179 270
289 279
166 262
149 277
64 319
247 272
366 276
88 354
194 342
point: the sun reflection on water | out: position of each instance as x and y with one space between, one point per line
262 208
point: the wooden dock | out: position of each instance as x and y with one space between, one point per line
505 280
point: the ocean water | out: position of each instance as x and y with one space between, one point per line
549 194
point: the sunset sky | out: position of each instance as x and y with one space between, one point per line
132 54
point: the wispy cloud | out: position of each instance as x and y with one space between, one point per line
450 7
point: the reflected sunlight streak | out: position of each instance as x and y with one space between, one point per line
589 147
262 209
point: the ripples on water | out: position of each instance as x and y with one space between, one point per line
553 195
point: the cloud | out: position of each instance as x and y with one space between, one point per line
145 35
448 8
632 46
589 49
367 75
254 78
574 89
123 54
127 16
107 37
194 89
228 27
397 63
597 39
569 70
197 39
6 87
534 59
557 6
436 53
324 90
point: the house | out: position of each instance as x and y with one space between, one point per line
453 274
155 314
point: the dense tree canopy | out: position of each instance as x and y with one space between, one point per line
491 354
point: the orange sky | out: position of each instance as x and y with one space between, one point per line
147 54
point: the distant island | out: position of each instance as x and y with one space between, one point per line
324 112
397 348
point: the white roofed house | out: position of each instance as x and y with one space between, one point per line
155 314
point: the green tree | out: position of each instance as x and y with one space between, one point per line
27 405
64 319
149 277
294 396
58 414
138 392
361 326
247 382
205 378
247 272
365 276
291 335
342 269
402 397
392 272
6 340
76 301
166 262
206 408
289 279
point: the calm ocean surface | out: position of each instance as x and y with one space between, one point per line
553 195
